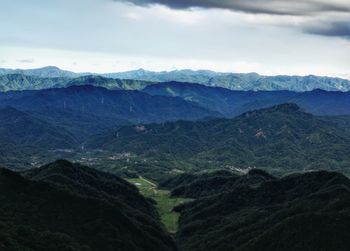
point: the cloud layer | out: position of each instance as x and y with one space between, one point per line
322 17
278 7
332 29
107 36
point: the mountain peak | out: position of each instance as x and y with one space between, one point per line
287 107
283 108
49 67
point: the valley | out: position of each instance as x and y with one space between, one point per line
164 202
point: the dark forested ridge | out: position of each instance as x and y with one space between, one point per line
308 211
65 206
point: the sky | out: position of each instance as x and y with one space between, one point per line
270 37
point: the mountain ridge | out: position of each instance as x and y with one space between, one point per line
234 81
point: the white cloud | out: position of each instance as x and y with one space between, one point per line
108 36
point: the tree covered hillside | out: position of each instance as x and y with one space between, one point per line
282 138
308 211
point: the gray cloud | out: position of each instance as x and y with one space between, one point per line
331 12
277 7
332 29
26 60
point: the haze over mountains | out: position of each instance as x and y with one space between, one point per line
241 167
233 81
80 112
236 138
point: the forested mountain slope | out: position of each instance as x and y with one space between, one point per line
26 130
308 211
65 206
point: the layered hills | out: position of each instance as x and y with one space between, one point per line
41 122
132 106
232 103
82 111
282 137
247 160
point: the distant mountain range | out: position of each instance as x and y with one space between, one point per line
45 72
233 81
240 81
20 82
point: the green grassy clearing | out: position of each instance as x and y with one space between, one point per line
165 203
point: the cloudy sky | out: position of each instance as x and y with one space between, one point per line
265 36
